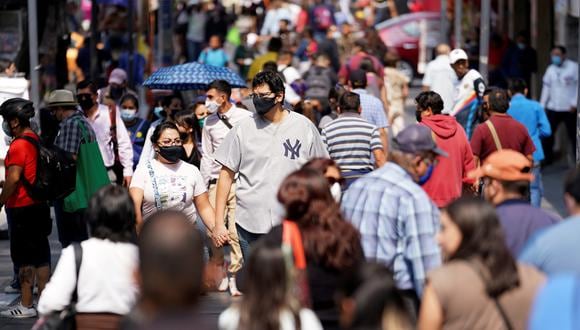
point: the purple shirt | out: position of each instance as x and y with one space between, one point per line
520 221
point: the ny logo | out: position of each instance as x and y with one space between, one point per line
292 151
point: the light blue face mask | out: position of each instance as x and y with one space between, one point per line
556 60
425 177
158 112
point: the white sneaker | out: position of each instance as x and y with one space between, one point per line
234 288
223 285
19 312
9 289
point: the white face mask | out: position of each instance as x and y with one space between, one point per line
211 106
336 192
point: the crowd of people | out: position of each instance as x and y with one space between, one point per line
309 194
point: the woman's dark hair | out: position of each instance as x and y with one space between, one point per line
266 268
319 165
430 99
377 300
483 240
166 100
131 98
329 240
111 214
187 118
160 128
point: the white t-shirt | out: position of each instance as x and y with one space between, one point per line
441 79
177 185
230 319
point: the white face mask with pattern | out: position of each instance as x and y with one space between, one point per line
336 192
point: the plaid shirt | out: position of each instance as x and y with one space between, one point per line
70 135
372 109
398 223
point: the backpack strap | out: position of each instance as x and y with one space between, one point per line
36 144
494 134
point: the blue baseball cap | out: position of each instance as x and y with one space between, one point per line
417 138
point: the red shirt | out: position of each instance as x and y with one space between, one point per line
512 135
22 153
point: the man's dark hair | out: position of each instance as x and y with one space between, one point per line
111 214
170 261
270 66
358 79
561 48
272 79
572 184
5 64
222 86
430 100
349 102
499 100
275 45
130 97
517 85
285 20
521 187
87 84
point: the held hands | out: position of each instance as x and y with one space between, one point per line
220 236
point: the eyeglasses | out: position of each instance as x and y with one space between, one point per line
261 95
170 143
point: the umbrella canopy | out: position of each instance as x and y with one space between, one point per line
191 76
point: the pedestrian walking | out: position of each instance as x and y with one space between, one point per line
395 92
136 127
440 78
224 117
74 130
187 124
262 150
399 234
275 308
168 183
500 131
552 250
29 219
450 175
98 272
560 98
469 91
214 54
330 170
481 285
532 115
352 142
112 136
115 90
506 176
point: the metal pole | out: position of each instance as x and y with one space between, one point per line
511 20
484 38
130 8
457 20
501 15
94 41
33 54
443 22
578 109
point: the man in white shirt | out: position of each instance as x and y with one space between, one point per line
106 125
560 97
440 77
468 91
224 116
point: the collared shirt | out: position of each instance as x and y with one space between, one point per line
398 223
350 141
70 134
213 134
560 87
372 109
441 79
555 249
532 115
101 123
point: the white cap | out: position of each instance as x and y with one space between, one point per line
456 55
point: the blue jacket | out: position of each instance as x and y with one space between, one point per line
531 114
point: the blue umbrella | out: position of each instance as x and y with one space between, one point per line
191 76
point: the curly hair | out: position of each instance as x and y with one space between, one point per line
328 238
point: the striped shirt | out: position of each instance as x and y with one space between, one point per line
398 223
350 141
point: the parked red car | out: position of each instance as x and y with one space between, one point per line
403 34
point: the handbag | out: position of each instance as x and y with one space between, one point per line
65 319
294 250
91 173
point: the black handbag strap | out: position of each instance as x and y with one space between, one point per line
225 121
78 250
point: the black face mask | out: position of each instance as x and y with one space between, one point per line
86 102
116 92
172 154
263 104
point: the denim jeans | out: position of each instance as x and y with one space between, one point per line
246 240
536 187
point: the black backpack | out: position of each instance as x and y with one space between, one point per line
56 173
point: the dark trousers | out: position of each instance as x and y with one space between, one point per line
246 240
555 118
72 227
